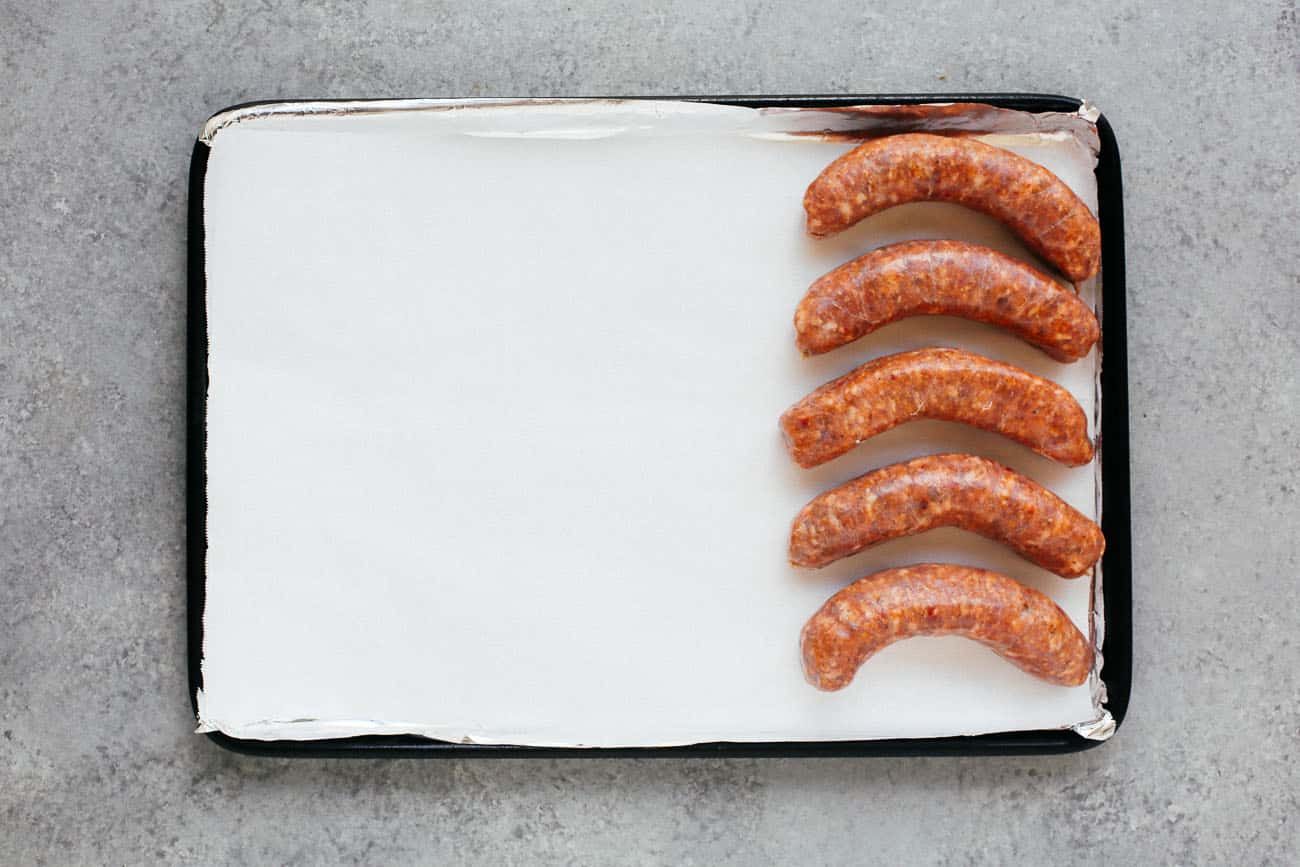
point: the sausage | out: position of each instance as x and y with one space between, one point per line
946 278
937 383
916 167
1017 623
964 491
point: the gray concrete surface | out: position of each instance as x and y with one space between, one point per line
99 105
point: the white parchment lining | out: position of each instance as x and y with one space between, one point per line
492 442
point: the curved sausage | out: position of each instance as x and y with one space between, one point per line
963 491
943 384
1017 623
946 278
916 167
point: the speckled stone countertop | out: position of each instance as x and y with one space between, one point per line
99 107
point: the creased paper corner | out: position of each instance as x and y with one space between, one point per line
1099 729
1088 111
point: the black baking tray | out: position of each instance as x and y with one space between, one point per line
1117 648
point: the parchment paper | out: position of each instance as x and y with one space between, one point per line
492 429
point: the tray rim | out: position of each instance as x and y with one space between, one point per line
1116 588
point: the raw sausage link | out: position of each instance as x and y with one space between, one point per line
943 384
963 491
916 167
1019 624
946 278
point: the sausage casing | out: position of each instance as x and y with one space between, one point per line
943 384
916 167
948 278
964 491
1018 623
